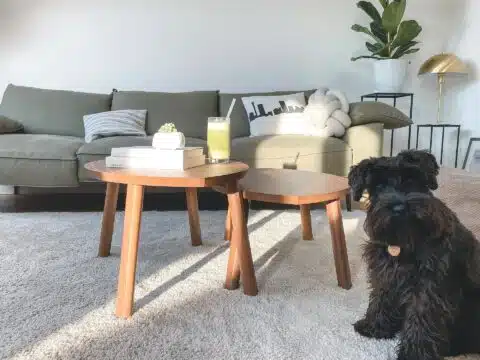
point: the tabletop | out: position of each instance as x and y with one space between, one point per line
207 175
295 187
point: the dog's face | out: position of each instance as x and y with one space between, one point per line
410 171
404 220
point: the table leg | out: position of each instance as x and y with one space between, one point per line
340 255
240 262
128 258
228 220
193 216
108 220
228 225
306 222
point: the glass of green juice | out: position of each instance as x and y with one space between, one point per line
218 140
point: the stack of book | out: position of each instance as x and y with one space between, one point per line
148 157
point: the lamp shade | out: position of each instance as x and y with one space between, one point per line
443 64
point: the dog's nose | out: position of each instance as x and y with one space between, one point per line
398 208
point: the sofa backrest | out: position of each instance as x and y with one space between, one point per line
55 112
189 111
239 124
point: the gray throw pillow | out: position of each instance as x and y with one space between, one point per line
9 126
114 123
367 112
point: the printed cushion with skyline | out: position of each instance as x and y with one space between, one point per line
276 115
325 115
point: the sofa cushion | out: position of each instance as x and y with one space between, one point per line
9 126
55 112
38 160
99 149
367 112
114 123
323 154
189 111
239 124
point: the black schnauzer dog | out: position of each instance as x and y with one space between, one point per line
423 264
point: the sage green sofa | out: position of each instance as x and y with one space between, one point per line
42 136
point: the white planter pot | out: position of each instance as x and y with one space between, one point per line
390 75
173 140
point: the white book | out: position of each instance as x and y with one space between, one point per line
166 163
151 152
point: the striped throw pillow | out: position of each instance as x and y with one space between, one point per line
114 123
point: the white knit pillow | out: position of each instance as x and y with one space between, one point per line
114 123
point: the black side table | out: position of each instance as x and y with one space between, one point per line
443 127
394 96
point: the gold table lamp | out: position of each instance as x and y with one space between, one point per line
441 65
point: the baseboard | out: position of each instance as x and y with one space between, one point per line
7 190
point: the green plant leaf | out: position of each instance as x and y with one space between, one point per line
384 3
363 29
365 57
383 52
406 46
407 31
378 30
370 10
393 15
374 47
399 53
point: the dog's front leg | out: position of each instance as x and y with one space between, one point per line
383 319
425 332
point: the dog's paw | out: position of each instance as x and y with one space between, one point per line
367 329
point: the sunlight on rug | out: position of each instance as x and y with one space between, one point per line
59 298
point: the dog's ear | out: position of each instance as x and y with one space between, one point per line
359 177
425 161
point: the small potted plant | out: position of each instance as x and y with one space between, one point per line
393 39
167 137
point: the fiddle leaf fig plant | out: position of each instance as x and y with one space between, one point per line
392 36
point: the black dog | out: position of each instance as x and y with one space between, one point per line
423 264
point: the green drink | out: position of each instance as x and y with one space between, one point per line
218 139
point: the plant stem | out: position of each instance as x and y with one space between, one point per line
389 45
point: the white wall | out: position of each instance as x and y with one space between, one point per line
172 45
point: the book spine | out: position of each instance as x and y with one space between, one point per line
149 163
155 153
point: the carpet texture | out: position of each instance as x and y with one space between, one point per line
58 297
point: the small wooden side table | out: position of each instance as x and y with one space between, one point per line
211 175
302 188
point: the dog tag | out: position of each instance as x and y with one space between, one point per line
394 250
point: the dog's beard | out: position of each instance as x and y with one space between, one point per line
388 230
426 219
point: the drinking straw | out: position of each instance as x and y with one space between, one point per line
231 108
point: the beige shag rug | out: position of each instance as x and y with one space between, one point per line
57 297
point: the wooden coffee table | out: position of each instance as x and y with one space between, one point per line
303 188
225 175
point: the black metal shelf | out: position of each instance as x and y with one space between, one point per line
443 127
470 143
394 96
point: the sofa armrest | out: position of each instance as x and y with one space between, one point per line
365 140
